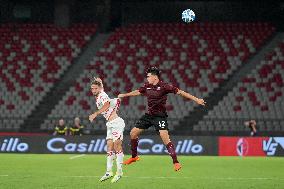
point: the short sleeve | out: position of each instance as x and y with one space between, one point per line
142 89
169 88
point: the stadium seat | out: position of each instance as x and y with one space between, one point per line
196 57
258 96
32 59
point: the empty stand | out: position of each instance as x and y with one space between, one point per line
32 59
196 58
258 96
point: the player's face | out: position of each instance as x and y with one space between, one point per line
61 122
151 78
95 90
77 122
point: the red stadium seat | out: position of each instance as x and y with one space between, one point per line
33 58
198 59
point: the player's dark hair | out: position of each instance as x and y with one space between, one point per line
94 82
154 71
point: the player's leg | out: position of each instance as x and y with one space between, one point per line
143 123
117 135
140 126
119 155
170 147
119 160
161 125
110 154
110 159
134 134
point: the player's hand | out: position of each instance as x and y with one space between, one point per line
200 102
92 117
99 80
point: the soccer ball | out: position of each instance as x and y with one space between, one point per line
188 16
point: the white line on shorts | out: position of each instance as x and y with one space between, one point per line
77 156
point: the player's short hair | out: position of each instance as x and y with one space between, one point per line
94 82
154 71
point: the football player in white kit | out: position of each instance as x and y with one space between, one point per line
115 127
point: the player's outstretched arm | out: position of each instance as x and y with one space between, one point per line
104 108
191 97
133 93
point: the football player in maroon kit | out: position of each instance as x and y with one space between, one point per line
156 93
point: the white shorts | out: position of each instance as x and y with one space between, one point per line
115 129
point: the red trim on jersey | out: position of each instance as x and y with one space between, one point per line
116 107
99 95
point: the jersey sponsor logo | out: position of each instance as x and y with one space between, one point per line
13 145
147 146
115 134
58 145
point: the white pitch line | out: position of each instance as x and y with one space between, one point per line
193 178
77 156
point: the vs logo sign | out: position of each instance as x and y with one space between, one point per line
270 145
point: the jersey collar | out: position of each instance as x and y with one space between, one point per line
158 84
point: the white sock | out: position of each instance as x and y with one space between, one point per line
119 161
110 158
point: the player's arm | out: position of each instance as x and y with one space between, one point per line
55 131
66 131
104 108
254 126
191 97
81 130
133 93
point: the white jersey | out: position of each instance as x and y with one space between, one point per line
114 104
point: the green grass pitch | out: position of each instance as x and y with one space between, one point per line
66 172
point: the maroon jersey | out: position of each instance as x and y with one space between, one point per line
157 96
